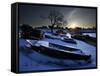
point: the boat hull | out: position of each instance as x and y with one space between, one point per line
59 54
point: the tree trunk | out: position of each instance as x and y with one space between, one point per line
52 27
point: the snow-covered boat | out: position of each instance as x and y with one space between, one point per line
57 53
48 35
62 38
69 40
62 47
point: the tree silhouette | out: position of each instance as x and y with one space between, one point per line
30 33
56 19
26 30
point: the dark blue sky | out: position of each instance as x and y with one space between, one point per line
76 17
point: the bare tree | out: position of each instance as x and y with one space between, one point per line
56 18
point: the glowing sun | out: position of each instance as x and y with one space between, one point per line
73 26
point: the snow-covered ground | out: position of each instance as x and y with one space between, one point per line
90 34
29 60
